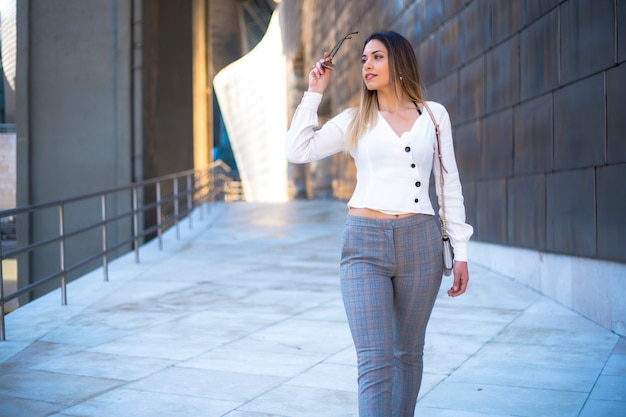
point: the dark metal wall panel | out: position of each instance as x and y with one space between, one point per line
621 31
390 10
407 19
427 60
611 183
503 75
579 124
533 140
616 114
539 56
570 212
467 150
452 7
490 211
475 29
449 47
588 37
534 9
534 90
446 92
497 145
472 83
432 14
507 18
469 194
417 30
526 216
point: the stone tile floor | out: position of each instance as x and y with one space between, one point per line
242 317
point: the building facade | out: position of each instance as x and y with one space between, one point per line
110 92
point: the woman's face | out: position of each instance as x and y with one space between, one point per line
375 65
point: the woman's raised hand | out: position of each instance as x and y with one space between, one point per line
319 76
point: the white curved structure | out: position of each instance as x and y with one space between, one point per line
252 94
7 13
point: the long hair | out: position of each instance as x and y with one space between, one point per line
403 78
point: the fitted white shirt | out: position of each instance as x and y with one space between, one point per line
393 172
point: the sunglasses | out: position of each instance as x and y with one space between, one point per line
329 62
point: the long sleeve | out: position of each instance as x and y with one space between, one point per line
303 142
458 230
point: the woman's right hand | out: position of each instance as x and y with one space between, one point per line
319 76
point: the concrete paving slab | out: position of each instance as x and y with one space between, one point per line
246 358
54 387
540 355
317 377
119 367
242 317
14 406
296 401
227 386
597 408
135 403
609 388
523 374
502 400
616 365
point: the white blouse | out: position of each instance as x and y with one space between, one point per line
393 172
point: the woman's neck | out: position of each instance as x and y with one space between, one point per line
388 103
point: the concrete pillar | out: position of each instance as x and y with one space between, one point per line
202 94
73 118
104 98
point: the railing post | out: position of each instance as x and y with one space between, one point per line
189 202
210 187
158 196
176 208
105 261
2 331
135 226
62 253
207 186
200 188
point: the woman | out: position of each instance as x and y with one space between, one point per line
391 266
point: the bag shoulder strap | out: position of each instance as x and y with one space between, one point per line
437 133
444 231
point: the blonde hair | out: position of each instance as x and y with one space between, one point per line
403 75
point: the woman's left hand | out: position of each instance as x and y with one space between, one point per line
461 277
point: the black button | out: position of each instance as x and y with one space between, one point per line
412 165
416 200
418 184
407 149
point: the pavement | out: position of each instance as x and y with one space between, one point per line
242 317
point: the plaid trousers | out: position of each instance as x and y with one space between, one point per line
391 272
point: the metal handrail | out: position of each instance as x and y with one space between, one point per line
201 188
7 127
